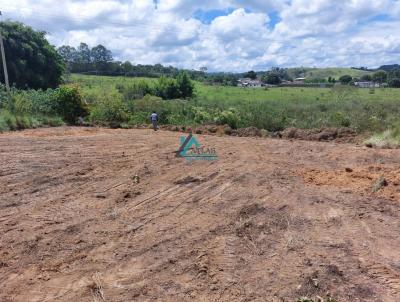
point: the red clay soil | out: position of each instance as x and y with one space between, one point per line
270 220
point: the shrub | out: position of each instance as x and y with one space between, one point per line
3 123
135 91
345 79
52 121
228 117
23 122
387 139
185 85
200 115
109 109
69 103
167 88
7 121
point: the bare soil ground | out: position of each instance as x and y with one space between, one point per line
270 220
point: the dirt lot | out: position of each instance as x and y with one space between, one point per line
270 220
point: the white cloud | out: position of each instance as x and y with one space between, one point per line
309 32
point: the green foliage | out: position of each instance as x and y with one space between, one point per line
136 90
343 92
251 74
185 85
272 79
31 109
7 121
69 103
108 109
345 79
388 139
230 117
52 121
366 77
99 61
273 109
167 88
32 61
395 83
380 76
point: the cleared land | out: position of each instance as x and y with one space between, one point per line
271 220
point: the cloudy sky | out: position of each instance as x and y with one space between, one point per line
223 35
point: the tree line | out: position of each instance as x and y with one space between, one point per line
390 78
99 60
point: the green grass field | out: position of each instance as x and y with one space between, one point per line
271 109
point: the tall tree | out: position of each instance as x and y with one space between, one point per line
84 54
100 57
251 74
68 53
380 76
32 62
127 67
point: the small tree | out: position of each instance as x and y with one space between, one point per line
366 78
185 85
69 103
272 79
251 74
167 88
380 76
345 79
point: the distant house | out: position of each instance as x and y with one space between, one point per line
367 84
300 80
247 82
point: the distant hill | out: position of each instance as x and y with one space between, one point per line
388 68
325 73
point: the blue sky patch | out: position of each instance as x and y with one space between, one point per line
275 18
208 16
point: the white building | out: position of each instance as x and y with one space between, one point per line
247 82
367 84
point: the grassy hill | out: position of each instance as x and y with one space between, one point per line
325 73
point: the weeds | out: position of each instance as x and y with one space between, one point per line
126 102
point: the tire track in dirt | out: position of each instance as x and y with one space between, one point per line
253 231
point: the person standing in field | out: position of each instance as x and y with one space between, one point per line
154 120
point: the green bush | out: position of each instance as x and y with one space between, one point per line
229 117
136 90
23 122
69 103
167 88
109 109
185 85
52 121
7 121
